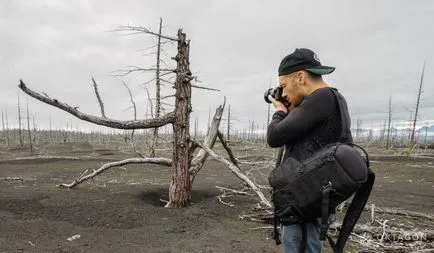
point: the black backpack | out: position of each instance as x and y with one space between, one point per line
303 191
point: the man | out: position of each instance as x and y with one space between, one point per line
311 121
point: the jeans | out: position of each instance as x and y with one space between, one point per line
292 234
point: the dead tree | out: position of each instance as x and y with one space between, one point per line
389 122
358 130
184 167
3 125
229 123
195 127
29 130
7 128
19 122
412 141
158 95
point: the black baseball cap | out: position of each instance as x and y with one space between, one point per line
303 59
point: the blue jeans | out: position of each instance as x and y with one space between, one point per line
292 234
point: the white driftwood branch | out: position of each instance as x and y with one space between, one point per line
237 173
83 177
210 138
98 97
234 191
130 124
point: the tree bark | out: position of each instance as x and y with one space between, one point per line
179 191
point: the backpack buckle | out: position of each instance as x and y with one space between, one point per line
329 185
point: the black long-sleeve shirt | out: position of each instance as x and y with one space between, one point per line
311 125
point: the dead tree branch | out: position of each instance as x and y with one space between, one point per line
138 29
204 88
392 211
131 124
138 69
131 99
209 141
237 173
83 177
101 105
133 144
150 101
229 150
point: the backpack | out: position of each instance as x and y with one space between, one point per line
303 191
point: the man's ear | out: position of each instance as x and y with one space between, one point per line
300 77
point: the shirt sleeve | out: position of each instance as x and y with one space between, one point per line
312 111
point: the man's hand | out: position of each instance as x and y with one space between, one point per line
278 105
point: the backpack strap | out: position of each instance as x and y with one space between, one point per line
303 241
345 136
354 211
362 194
275 234
325 211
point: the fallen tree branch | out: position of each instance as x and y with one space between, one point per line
384 234
131 124
234 191
237 173
393 211
83 177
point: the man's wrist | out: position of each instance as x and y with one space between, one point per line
282 110
281 114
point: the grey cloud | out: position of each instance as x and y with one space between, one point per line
378 48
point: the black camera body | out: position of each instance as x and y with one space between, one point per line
276 93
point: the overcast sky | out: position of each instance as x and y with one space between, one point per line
377 47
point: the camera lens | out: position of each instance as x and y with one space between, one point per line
271 92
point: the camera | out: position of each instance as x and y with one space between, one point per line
276 93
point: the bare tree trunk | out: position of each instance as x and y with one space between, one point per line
3 125
417 105
410 125
195 127
34 129
209 117
179 191
389 122
51 131
157 96
359 122
29 130
19 122
7 127
229 123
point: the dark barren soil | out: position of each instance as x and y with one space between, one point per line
122 210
